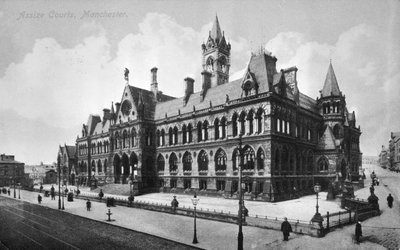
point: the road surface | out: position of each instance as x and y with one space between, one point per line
29 226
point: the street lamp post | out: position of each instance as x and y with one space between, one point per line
19 190
59 182
240 214
63 199
195 201
317 218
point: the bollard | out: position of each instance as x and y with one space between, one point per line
109 214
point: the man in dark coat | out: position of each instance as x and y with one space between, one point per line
41 188
358 232
52 193
390 200
286 228
174 203
88 205
39 198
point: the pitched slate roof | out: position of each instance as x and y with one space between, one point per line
71 150
327 140
331 87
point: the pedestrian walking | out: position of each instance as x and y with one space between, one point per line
390 200
174 204
371 189
286 228
358 232
39 198
8 191
52 193
41 188
377 181
88 205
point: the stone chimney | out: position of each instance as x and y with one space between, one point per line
117 107
206 83
106 114
189 87
154 84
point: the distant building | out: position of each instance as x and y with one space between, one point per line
37 173
384 157
289 140
11 171
50 177
394 151
66 158
371 160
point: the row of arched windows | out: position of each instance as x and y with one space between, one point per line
100 148
250 161
249 123
126 139
333 107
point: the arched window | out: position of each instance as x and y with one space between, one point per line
222 128
199 132
205 130
158 135
259 122
189 133
124 139
162 137
187 162
260 159
184 134
175 138
160 163
170 137
234 124
210 64
220 160
133 136
242 121
216 129
323 164
285 160
337 131
250 124
235 159
105 166
248 158
173 163
202 161
99 168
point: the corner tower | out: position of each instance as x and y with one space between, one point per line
216 55
332 104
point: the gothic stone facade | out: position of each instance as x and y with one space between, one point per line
289 140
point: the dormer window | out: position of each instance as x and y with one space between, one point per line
249 86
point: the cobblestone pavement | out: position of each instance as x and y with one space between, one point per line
384 229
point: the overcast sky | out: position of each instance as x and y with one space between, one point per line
59 62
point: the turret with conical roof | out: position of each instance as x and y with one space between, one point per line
216 55
331 87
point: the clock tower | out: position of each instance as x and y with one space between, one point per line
216 55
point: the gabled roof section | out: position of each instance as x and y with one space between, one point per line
92 122
327 140
70 151
331 87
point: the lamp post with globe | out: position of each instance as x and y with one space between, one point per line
195 201
317 218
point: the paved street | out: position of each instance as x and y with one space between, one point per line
385 229
210 233
28 226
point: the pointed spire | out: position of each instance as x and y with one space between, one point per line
112 108
331 87
216 30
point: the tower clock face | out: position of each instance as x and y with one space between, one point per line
126 107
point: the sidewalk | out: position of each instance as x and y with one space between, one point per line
213 234
289 209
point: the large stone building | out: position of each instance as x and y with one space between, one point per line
289 140
394 151
11 171
66 164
